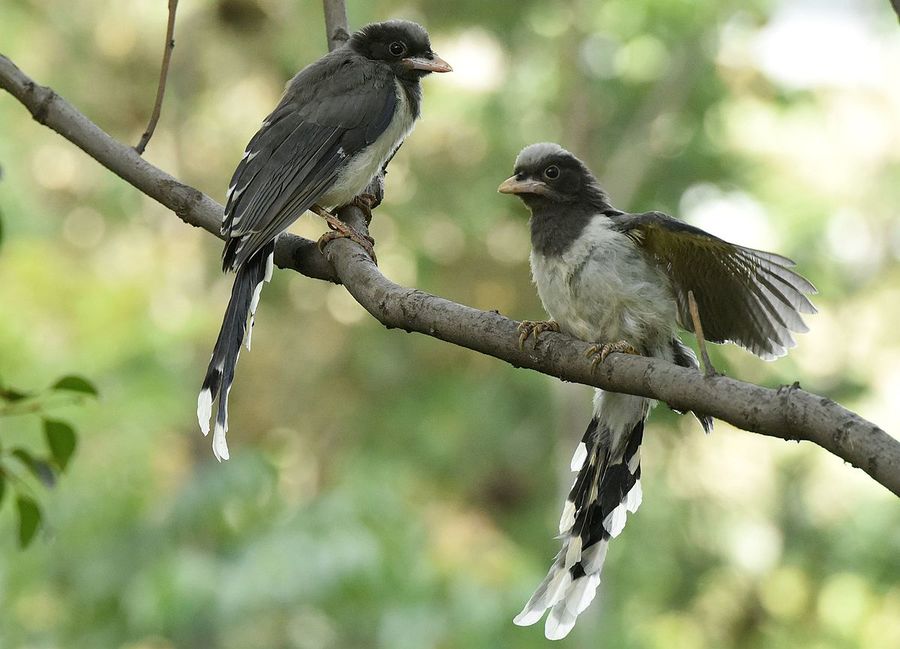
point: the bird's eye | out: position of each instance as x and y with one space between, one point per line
397 48
552 172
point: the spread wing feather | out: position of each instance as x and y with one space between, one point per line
749 297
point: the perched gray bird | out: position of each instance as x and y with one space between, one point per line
340 120
622 280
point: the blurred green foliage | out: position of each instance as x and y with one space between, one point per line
22 467
388 490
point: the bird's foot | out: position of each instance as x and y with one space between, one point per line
599 352
535 328
340 230
366 202
346 232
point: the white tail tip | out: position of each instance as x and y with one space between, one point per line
220 446
204 410
528 617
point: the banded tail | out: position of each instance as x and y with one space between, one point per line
608 462
220 374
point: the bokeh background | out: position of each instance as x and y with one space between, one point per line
389 490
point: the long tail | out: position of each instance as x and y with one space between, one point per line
220 374
608 462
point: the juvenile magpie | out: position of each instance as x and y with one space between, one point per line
339 121
622 280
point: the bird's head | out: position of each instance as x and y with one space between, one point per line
402 45
547 174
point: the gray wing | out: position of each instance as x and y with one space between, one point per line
330 111
745 296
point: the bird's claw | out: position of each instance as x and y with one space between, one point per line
534 328
366 202
599 352
366 242
341 230
344 231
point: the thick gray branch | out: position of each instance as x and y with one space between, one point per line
789 412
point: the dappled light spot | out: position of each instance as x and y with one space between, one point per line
343 307
598 55
642 59
84 227
550 19
754 545
55 166
507 241
843 603
114 34
479 63
784 592
852 243
443 240
731 215
398 264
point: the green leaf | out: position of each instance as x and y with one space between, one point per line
1 227
29 520
8 394
2 486
61 439
23 456
41 469
75 383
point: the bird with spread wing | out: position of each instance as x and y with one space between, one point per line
624 281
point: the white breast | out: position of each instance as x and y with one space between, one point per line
363 166
602 289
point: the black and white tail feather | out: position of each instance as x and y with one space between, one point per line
608 485
245 294
606 489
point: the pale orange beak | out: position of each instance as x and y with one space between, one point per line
513 185
434 64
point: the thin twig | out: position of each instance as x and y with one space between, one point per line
336 25
708 368
163 76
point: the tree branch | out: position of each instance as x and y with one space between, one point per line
192 206
788 412
336 27
163 75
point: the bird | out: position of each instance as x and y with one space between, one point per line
339 121
622 282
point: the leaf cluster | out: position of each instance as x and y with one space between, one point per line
20 467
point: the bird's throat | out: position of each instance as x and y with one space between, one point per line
555 227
